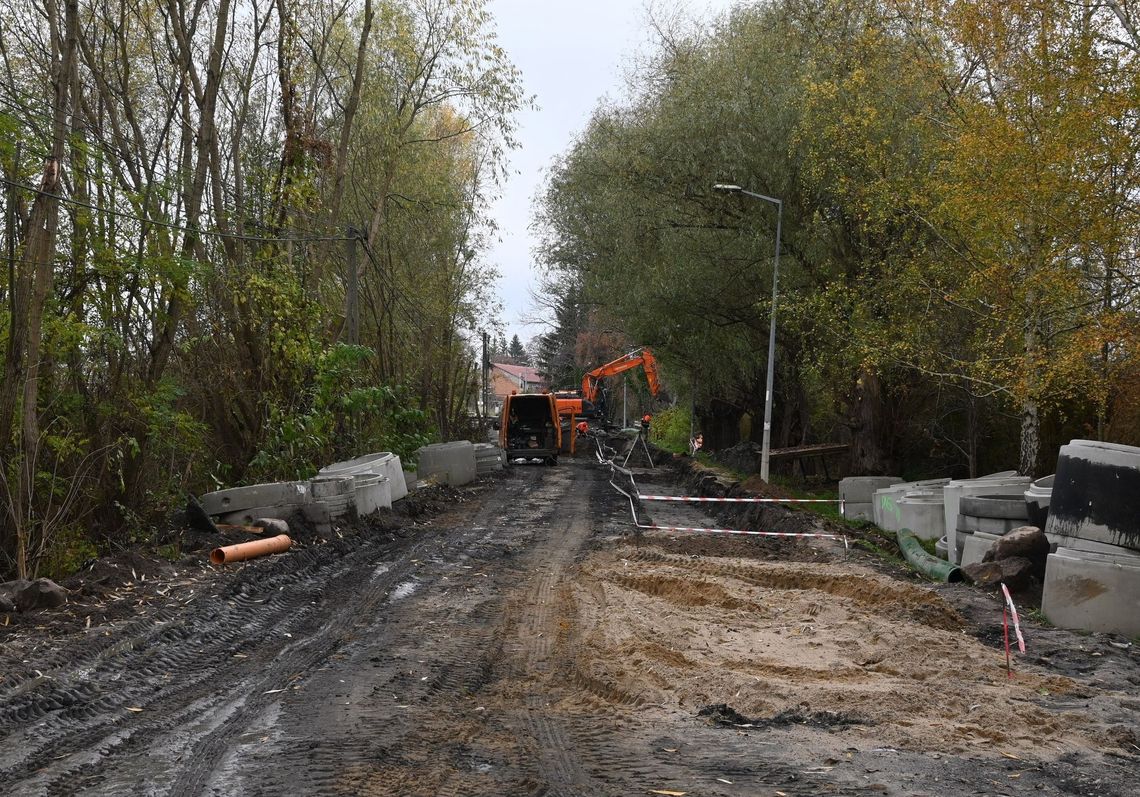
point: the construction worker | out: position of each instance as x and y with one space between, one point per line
645 419
583 427
696 444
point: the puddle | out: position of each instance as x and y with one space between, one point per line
402 591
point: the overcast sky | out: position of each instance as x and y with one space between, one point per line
571 54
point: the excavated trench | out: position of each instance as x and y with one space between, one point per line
524 642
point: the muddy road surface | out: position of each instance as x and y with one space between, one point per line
522 642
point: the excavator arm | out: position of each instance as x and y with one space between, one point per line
643 357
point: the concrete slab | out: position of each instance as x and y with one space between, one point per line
237 499
1093 592
975 545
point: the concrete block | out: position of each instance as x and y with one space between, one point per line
237 499
1093 591
410 479
858 511
861 489
451 463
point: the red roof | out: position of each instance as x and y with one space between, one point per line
521 372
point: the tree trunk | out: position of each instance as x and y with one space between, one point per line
350 109
866 422
39 253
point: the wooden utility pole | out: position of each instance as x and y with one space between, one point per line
352 304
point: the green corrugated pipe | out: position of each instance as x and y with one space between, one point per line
930 566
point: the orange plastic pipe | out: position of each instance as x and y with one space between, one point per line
250 550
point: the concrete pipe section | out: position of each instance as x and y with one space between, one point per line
1037 499
1005 482
1093 591
1095 494
262 498
982 519
382 463
372 493
886 513
250 550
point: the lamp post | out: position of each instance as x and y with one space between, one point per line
766 447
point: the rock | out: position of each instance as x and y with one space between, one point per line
984 574
1027 542
43 593
272 525
1016 571
6 605
10 589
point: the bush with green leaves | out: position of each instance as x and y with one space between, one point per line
343 415
670 429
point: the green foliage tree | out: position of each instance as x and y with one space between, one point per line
193 289
956 180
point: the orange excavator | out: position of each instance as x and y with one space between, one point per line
590 401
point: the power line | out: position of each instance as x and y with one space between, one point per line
173 226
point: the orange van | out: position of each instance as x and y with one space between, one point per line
529 427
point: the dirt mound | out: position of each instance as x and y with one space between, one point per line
827 645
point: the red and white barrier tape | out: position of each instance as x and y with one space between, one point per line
741 500
636 495
1016 622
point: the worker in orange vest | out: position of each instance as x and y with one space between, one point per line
645 419
583 427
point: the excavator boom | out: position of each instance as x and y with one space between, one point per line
643 357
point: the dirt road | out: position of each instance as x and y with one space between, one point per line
522 643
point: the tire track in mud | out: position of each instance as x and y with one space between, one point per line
403 708
194 673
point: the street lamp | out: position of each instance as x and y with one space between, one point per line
766 447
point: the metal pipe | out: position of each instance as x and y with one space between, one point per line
250 550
